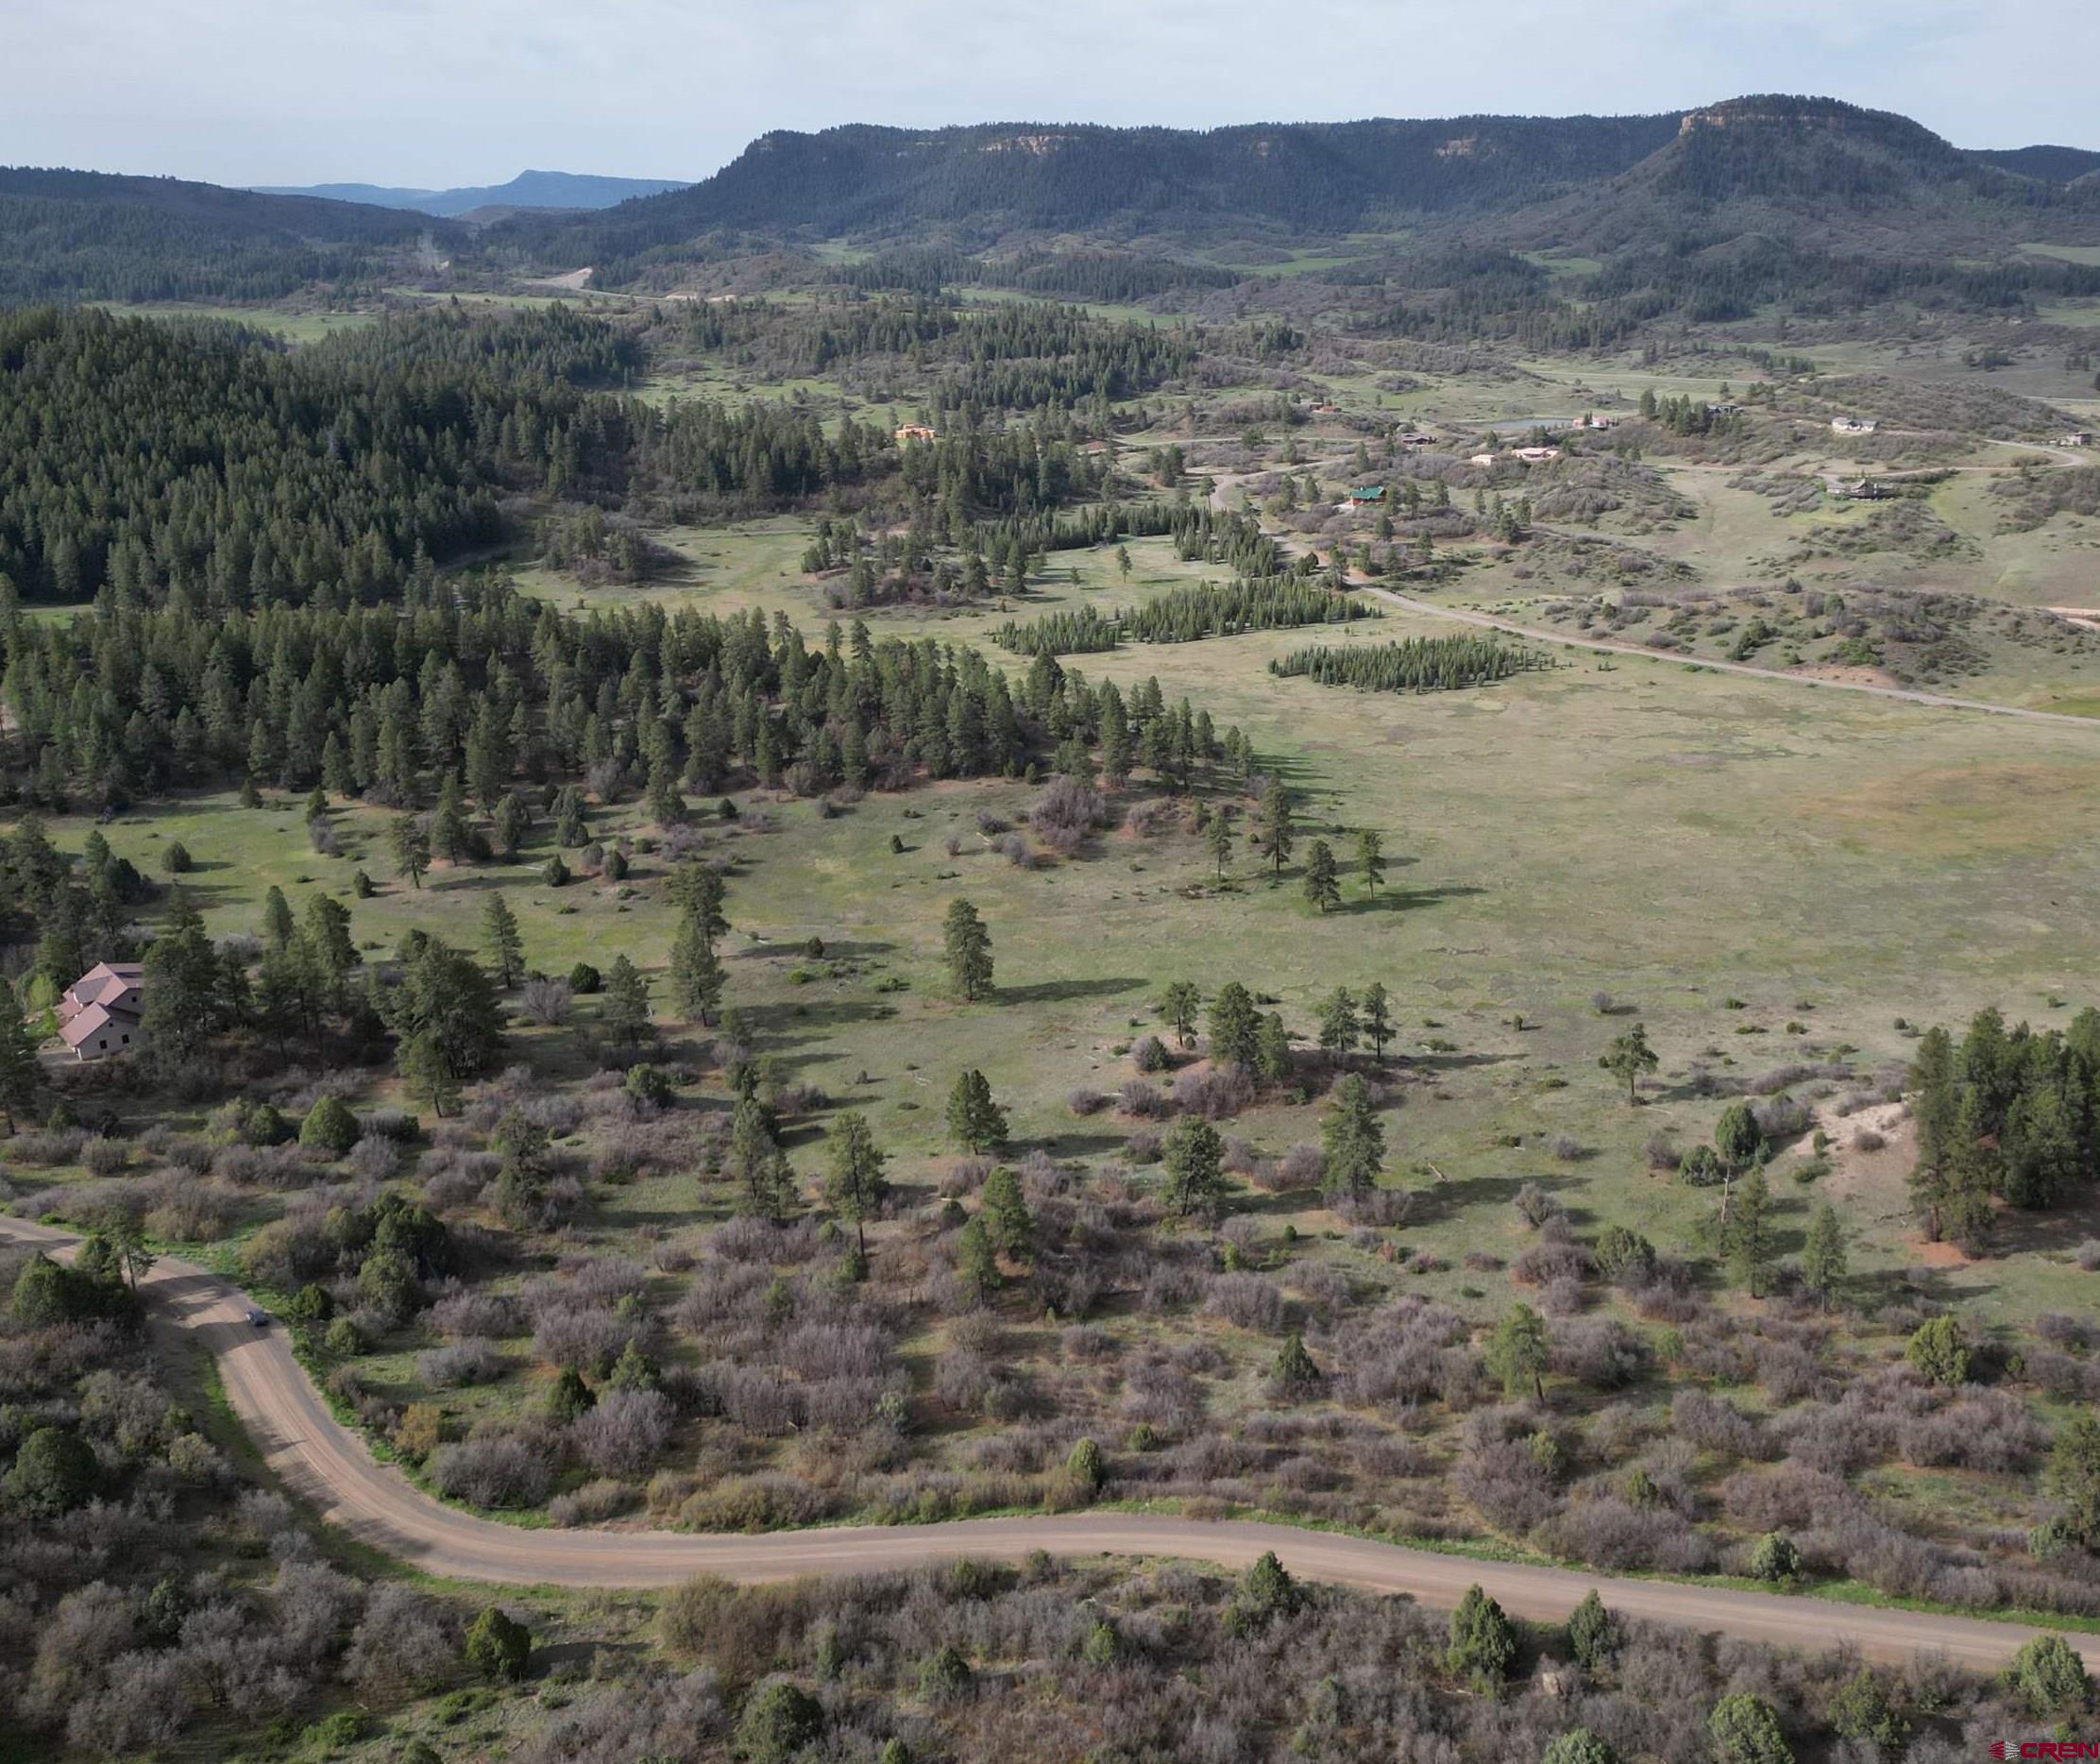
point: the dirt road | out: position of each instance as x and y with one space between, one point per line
331 1468
1902 694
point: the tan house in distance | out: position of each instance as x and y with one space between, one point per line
102 1013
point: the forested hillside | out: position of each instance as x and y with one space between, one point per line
70 235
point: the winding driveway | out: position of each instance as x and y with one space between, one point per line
330 1468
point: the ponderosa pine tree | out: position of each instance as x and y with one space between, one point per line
1194 1161
1275 832
504 941
411 848
967 944
1378 1018
1340 1028
627 1007
1181 1006
975 1122
1629 1058
1323 885
1370 860
856 1185
1235 1028
1352 1141
1217 837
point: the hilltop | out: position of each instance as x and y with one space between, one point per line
527 189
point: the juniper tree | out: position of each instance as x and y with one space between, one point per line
1482 1642
1629 1057
1323 885
968 948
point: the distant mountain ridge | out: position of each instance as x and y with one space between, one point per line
527 189
1800 169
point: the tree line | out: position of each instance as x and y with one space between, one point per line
1411 664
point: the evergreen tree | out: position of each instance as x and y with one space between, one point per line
976 1262
1275 832
1323 885
975 1122
1823 1256
1217 837
1005 1214
1748 1239
1340 1028
277 918
1194 1158
1629 1057
1483 1646
697 980
1518 1352
1377 1019
1235 1028
968 948
19 1071
411 849
856 1185
1370 860
627 1007
1179 1007
1592 1636
1272 1051
1352 1141
504 941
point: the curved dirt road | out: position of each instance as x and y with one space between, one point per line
330 1468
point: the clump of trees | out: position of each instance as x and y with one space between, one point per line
2003 1114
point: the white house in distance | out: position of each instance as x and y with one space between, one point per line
1851 426
102 1012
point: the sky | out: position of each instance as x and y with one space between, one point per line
443 92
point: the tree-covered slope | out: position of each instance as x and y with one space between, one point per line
68 235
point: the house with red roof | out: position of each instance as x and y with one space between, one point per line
102 1013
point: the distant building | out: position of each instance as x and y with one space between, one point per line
1415 443
915 432
1852 426
1534 456
1481 459
1367 495
2078 437
1591 420
102 1012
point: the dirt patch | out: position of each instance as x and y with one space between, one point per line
1846 675
2085 617
1872 1179
1941 1255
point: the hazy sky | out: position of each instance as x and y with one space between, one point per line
438 92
